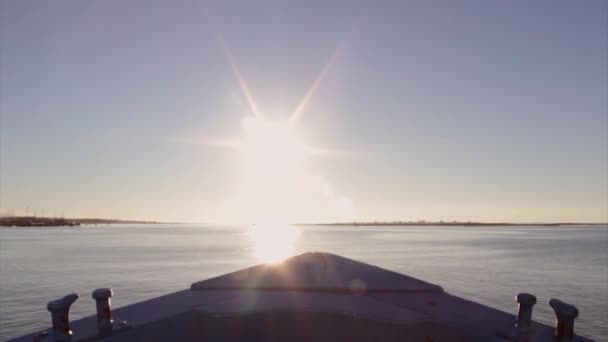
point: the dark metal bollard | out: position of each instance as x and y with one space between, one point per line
524 313
104 311
60 315
565 315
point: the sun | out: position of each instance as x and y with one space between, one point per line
272 150
273 168
276 178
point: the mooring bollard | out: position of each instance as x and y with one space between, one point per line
524 312
104 311
565 315
60 315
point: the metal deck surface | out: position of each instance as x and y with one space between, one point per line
310 296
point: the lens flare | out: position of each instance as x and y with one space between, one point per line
239 77
295 116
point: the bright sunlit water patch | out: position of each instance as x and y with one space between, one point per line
273 243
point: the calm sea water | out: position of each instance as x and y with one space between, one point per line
485 264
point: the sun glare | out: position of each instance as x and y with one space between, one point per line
277 182
272 148
273 243
272 173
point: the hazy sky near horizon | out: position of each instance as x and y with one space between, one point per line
454 110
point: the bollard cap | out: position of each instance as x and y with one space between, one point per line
526 298
563 310
102 293
63 303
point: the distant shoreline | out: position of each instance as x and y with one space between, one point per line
34 221
449 224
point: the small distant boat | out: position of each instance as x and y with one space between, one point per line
309 297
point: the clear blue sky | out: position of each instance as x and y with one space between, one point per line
464 110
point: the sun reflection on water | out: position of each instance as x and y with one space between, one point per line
273 243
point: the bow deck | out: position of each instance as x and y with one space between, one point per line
313 296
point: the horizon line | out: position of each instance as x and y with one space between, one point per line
360 223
